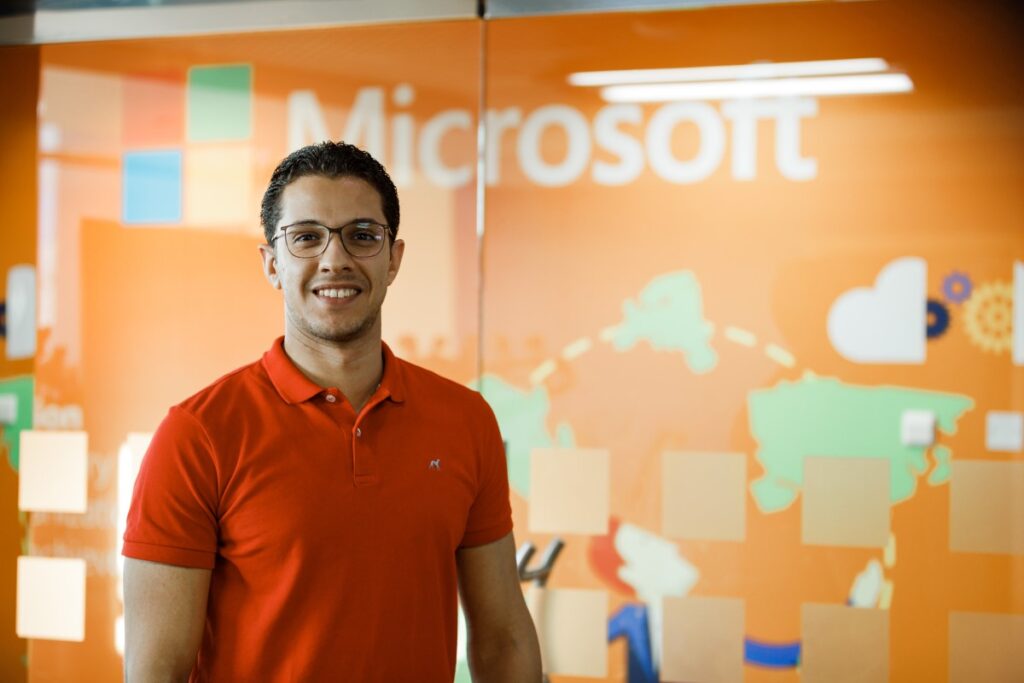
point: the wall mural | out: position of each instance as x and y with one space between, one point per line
756 358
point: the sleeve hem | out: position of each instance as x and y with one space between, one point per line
487 534
182 557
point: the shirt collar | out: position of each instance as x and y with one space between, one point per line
295 387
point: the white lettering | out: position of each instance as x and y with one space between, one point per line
305 120
787 138
629 150
529 148
371 127
402 136
495 123
430 148
365 125
659 142
743 114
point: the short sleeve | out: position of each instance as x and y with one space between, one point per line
490 517
173 514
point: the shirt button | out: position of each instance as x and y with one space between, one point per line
331 398
359 432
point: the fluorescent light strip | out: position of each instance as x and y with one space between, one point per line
875 84
832 67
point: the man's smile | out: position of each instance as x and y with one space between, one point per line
336 292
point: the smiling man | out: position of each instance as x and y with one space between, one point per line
314 515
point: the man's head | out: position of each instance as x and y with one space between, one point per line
331 295
331 160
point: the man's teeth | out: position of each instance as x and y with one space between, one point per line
336 293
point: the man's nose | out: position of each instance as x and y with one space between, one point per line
335 257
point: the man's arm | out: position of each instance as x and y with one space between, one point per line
501 638
164 615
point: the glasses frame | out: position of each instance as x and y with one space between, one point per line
330 234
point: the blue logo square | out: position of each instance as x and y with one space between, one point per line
151 187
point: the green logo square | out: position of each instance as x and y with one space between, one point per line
219 103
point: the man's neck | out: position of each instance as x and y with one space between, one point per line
355 367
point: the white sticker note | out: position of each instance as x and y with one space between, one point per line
1004 431
51 598
54 471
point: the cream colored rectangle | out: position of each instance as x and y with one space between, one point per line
572 627
569 490
986 507
846 502
843 644
986 648
702 639
704 496
218 185
53 474
51 598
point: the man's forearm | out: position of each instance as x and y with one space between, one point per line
511 659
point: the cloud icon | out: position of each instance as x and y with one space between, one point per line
885 323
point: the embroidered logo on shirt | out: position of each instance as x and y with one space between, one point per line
435 465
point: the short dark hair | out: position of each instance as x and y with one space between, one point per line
332 160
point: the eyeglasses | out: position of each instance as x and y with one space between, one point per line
361 239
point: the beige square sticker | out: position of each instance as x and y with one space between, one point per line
844 644
986 507
569 491
702 639
572 626
51 598
846 502
704 496
986 648
54 471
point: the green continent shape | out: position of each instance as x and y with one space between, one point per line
940 473
669 314
22 389
522 417
818 416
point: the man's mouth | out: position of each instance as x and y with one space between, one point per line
336 293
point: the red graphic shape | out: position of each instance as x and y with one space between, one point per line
153 110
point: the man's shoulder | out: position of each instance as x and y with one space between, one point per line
240 383
422 381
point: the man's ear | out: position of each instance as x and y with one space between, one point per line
270 271
397 251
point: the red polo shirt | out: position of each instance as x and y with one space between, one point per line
331 535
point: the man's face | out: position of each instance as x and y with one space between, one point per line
359 283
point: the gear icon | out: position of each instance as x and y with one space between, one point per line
988 317
956 287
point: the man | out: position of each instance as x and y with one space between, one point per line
311 516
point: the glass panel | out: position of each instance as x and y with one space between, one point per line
715 288
154 156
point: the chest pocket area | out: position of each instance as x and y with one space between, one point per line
429 496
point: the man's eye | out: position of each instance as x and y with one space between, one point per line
305 237
364 236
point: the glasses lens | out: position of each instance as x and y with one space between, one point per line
363 239
305 241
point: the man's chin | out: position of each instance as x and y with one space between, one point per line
337 334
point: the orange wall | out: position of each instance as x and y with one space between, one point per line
19 72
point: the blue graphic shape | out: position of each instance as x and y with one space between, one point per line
938 318
771 655
957 287
630 622
151 187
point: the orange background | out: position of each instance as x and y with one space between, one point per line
163 310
